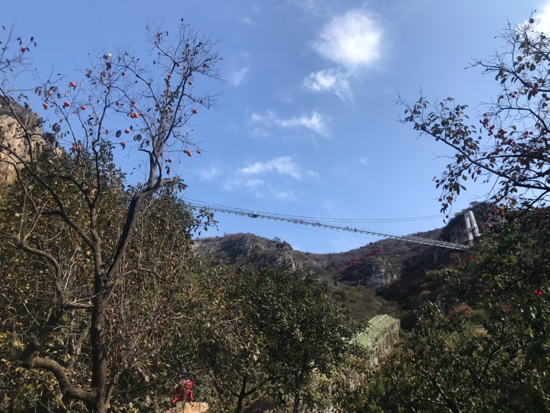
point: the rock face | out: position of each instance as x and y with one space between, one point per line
248 248
18 140
378 271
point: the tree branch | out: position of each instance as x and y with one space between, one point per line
60 374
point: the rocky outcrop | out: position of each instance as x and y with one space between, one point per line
378 271
20 132
249 249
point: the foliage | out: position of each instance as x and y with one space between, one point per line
145 300
480 317
446 364
509 145
281 327
89 261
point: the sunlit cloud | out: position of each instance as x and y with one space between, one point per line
353 40
259 188
208 174
284 195
315 122
284 165
330 80
238 76
261 178
542 19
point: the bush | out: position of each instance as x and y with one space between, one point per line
480 317
408 320
462 309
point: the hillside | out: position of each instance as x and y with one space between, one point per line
383 277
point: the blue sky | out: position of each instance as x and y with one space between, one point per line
306 122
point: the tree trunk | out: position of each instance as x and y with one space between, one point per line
299 383
99 353
242 395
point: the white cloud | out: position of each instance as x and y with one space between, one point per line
284 195
238 76
259 133
259 188
262 179
208 174
312 7
284 165
364 160
543 24
253 183
246 20
353 40
331 80
307 5
315 122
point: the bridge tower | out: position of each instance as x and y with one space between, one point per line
472 230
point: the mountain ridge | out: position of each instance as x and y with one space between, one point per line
387 276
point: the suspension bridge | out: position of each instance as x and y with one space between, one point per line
320 223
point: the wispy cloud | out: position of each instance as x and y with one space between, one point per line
246 20
259 133
330 80
238 76
315 122
353 40
307 5
253 183
259 188
208 174
284 165
284 195
262 178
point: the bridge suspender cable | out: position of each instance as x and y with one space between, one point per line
319 224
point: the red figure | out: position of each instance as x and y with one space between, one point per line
184 391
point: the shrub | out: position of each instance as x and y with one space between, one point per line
462 309
480 317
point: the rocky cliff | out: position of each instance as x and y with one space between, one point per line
249 249
20 135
